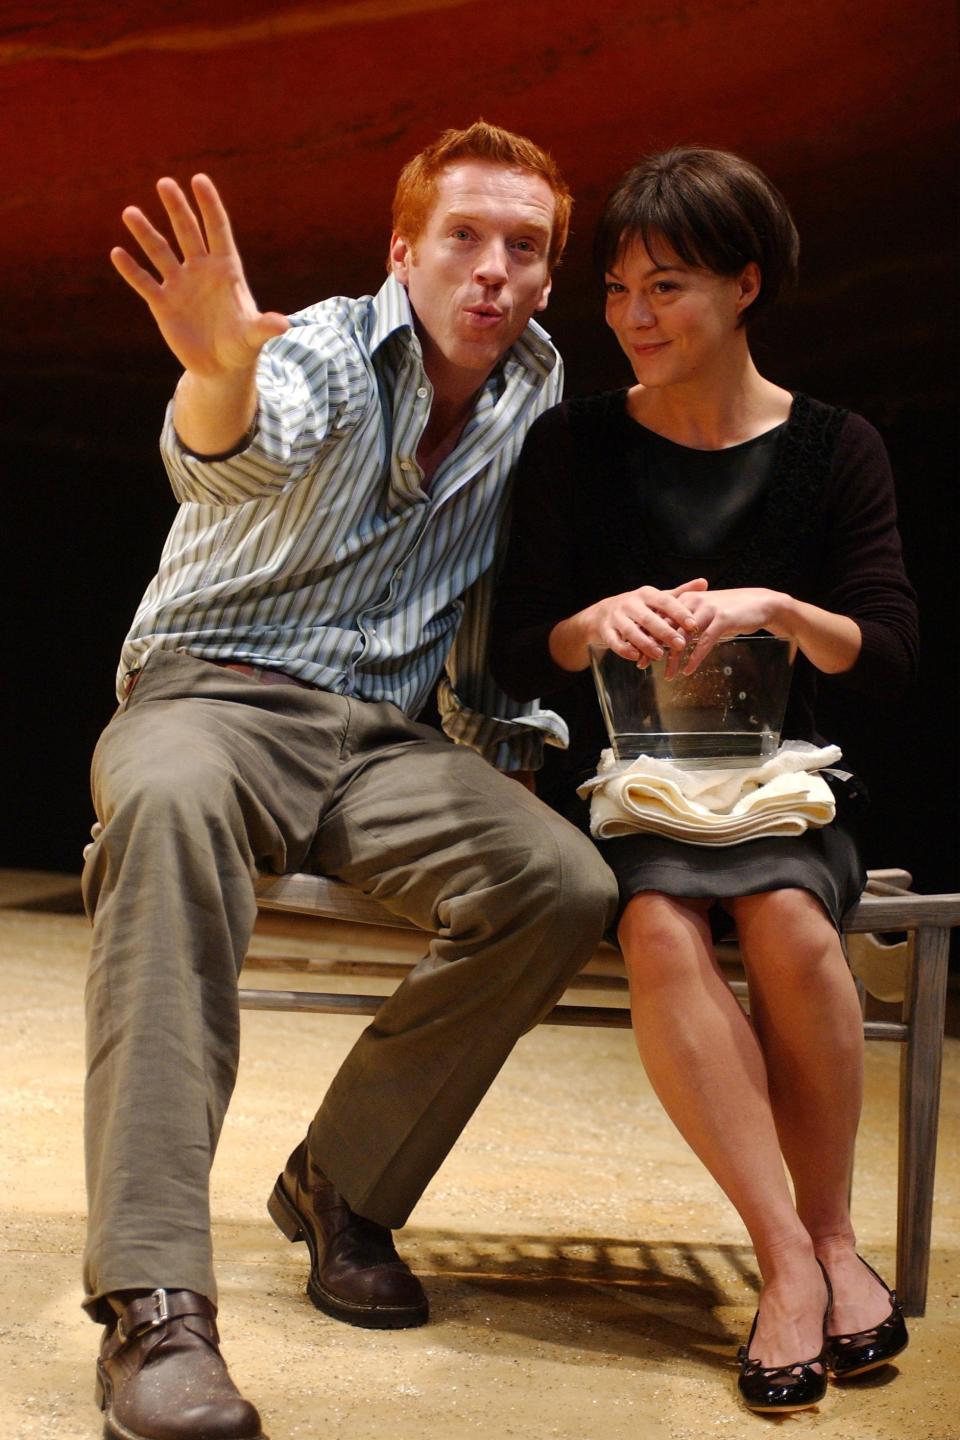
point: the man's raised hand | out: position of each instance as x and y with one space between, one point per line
205 312
201 301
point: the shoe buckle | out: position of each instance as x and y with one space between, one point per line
161 1309
160 1316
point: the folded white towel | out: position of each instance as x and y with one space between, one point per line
712 805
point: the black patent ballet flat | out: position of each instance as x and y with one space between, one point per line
863 1350
782 1388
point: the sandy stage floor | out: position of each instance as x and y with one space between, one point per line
588 1281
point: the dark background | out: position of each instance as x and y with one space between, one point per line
303 115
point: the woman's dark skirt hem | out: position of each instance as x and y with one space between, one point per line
825 862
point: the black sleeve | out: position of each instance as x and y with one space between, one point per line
537 587
862 573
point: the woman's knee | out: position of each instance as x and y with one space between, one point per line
787 934
663 937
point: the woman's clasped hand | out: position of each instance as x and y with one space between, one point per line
684 623
644 624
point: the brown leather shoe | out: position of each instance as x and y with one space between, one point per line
160 1375
355 1272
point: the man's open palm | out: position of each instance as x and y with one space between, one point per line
201 302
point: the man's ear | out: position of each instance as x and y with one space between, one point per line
401 257
545 293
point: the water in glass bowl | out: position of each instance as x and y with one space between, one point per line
730 710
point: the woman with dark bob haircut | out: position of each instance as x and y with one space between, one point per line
703 502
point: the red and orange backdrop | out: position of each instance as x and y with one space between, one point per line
303 113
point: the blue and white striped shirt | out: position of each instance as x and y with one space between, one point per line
316 551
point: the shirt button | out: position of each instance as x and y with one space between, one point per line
422 392
406 464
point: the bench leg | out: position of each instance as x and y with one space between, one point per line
920 1068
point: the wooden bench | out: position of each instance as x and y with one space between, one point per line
293 904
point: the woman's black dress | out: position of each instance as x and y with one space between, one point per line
603 505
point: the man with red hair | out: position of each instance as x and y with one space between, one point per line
343 474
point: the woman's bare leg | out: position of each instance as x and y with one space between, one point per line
807 1017
706 1066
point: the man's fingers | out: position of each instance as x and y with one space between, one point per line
216 221
185 225
154 245
136 277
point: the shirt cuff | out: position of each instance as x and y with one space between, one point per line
508 744
175 442
245 473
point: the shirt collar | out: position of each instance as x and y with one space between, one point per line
392 314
